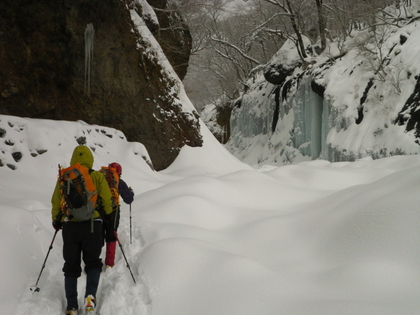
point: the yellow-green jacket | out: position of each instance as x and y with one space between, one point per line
84 156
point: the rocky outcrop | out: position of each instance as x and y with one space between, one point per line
217 119
339 107
173 36
42 57
410 113
277 73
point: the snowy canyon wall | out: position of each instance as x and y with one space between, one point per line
117 73
347 104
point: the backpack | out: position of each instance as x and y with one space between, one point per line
78 192
113 180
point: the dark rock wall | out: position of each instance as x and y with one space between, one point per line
173 36
42 62
410 113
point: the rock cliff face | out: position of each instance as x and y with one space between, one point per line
42 57
217 119
340 108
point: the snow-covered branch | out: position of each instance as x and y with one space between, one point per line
236 48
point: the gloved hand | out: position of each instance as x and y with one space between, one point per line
131 190
57 225
109 220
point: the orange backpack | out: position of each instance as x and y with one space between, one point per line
113 180
78 192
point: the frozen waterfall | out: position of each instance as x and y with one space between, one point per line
301 128
89 34
311 121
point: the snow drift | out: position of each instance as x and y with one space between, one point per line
214 236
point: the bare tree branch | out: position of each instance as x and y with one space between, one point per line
237 49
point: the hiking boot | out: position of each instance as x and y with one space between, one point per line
90 304
72 312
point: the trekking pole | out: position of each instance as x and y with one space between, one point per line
130 225
35 287
128 266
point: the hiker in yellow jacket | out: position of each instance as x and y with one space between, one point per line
79 240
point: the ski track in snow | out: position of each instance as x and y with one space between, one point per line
113 295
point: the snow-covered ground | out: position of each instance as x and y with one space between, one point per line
212 236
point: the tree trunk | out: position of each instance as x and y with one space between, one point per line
300 44
321 24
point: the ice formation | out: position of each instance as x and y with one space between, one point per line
89 35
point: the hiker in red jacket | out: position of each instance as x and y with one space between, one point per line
110 226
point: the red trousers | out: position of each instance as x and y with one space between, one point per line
110 253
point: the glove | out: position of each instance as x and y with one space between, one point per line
131 190
109 220
57 225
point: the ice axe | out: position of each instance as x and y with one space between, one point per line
35 287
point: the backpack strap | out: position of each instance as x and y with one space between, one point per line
91 219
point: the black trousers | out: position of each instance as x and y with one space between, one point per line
80 243
70 286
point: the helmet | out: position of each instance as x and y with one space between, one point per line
117 167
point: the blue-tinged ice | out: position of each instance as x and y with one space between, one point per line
311 125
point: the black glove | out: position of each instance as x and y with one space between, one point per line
109 220
131 190
57 225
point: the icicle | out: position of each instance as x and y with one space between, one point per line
89 34
326 153
311 121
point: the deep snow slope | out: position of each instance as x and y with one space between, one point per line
213 236
30 152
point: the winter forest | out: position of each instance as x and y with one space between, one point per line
242 35
299 195
304 78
